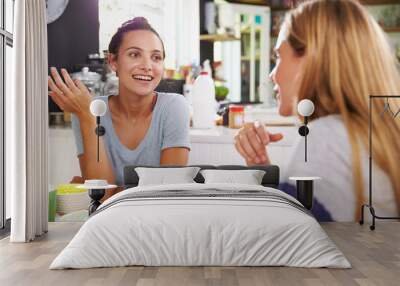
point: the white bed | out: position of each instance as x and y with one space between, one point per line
185 230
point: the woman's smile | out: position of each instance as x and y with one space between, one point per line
141 77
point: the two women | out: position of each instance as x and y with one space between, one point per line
331 52
143 127
335 54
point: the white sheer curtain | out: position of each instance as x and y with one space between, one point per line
27 124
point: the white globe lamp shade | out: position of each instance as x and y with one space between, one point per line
98 107
305 107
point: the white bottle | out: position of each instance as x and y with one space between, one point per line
187 92
203 100
207 67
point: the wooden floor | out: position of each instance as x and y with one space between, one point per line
375 257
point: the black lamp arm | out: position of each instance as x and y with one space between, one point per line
100 131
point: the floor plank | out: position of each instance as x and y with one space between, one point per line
374 255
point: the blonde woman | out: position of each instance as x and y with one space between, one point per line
334 53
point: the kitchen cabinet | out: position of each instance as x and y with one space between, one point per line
385 12
216 146
245 63
63 161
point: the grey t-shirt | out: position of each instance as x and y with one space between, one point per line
169 127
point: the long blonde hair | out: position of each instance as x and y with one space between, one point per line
348 59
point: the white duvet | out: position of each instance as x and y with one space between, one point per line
200 231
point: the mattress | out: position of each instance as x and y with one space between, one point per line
201 225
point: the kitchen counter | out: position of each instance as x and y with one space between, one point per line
224 135
208 146
217 135
216 146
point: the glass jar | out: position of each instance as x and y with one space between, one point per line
111 85
236 116
91 80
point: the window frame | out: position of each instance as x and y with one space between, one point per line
6 39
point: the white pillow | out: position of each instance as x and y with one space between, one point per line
248 177
163 176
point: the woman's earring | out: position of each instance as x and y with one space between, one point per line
305 109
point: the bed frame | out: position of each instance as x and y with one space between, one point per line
131 178
270 179
304 190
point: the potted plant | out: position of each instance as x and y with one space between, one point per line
221 92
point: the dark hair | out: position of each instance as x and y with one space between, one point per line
137 23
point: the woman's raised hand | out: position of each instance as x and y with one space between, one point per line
251 140
72 96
